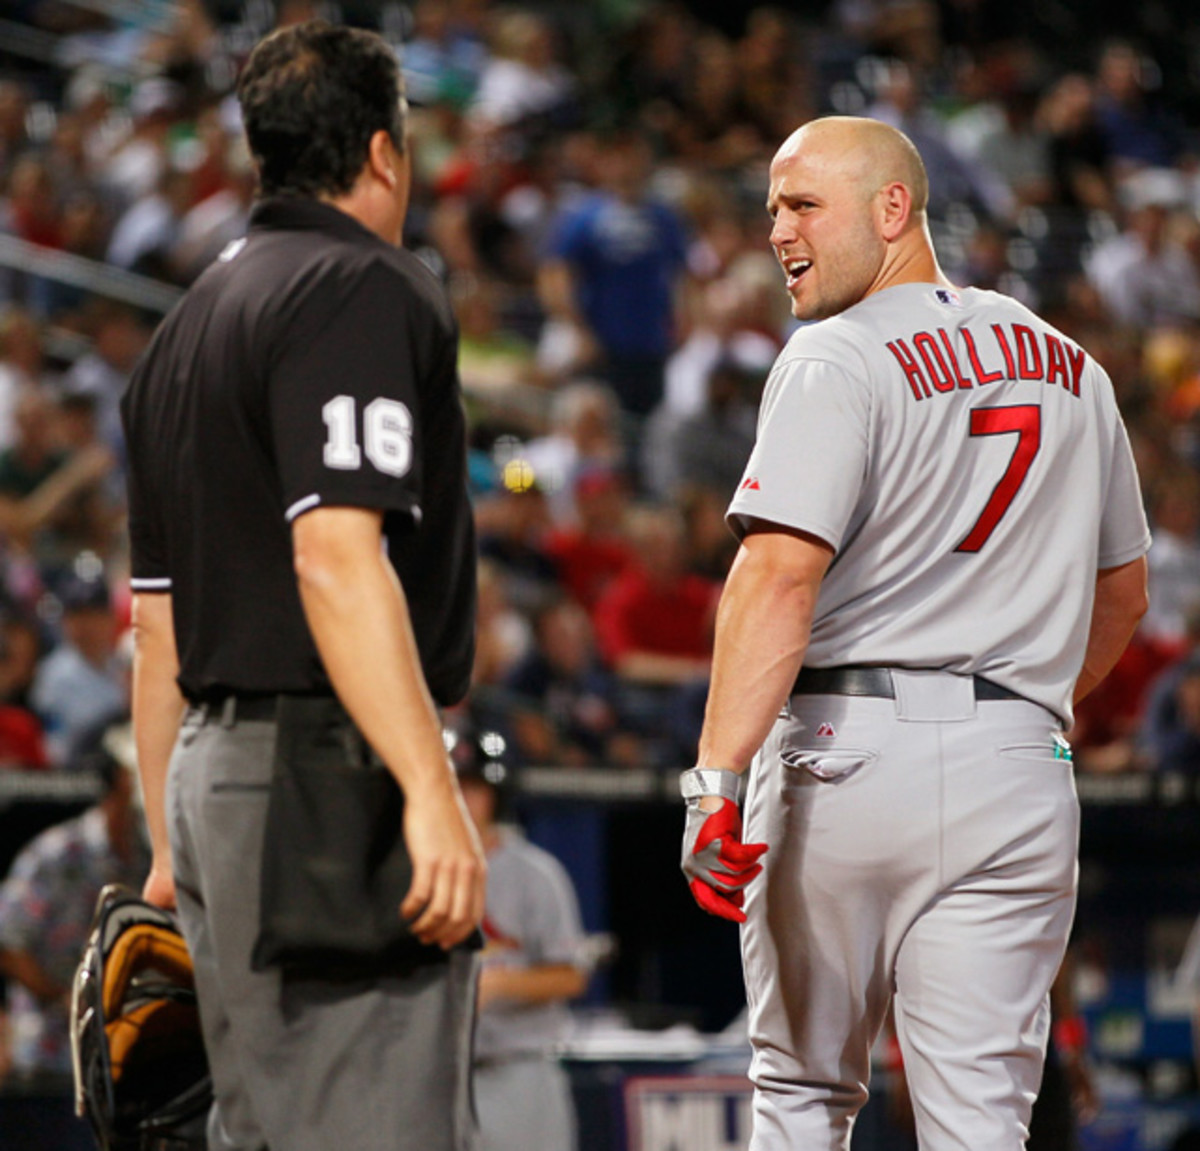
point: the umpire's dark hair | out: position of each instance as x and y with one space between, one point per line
312 96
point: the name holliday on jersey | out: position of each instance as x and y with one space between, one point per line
1010 352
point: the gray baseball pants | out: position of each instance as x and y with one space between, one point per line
923 847
302 1065
524 1104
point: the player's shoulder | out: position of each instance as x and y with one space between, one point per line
537 866
833 342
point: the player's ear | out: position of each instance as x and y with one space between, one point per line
893 208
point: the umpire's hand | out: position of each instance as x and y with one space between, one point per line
445 902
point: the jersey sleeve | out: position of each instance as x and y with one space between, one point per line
149 570
1124 531
555 931
810 458
343 402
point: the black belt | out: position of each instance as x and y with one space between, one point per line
251 707
875 682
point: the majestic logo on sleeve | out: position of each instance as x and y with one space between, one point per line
750 484
935 362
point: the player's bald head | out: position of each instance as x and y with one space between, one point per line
870 153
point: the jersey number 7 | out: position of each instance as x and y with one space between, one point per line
1026 421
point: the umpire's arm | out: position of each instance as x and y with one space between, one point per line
1121 601
157 710
763 625
358 615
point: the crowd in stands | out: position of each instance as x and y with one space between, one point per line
589 185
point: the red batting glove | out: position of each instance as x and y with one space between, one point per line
717 863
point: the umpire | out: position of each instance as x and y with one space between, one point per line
301 528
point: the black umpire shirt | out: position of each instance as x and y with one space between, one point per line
312 365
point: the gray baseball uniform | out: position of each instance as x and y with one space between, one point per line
969 466
522 1093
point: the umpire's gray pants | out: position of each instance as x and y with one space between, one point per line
373 1065
924 846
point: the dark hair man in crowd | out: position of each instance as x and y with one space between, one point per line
301 530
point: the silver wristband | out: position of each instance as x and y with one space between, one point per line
720 781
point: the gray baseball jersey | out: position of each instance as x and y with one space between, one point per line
522 1094
531 918
958 453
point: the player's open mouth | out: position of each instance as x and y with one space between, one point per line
795 270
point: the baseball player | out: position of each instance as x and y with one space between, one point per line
533 964
941 522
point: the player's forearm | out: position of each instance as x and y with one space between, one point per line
1120 603
358 616
157 709
763 626
544 983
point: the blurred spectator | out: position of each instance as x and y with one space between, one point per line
1107 721
14 113
22 365
512 525
565 709
724 326
711 546
145 236
523 78
443 59
612 273
593 549
1174 556
654 621
47 494
709 447
1079 156
502 634
1013 146
84 679
118 338
1144 275
46 906
1138 131
32 209
20 650
216 220
136 165
899 102
585 434
491 358
1170 736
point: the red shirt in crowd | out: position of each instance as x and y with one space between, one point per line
634 614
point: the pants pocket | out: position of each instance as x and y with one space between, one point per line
1050 749
820 755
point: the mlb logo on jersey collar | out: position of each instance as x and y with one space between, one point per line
945 296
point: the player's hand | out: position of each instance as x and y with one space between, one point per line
444 904
159 888
718 865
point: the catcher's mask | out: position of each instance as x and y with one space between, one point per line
141 1073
